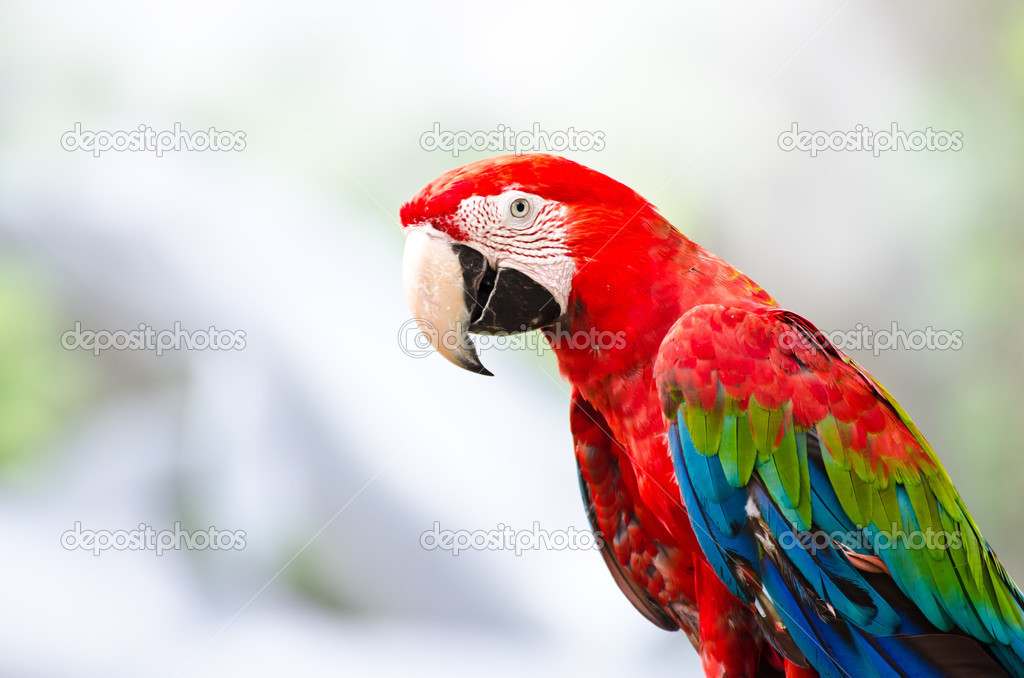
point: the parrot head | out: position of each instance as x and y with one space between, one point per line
512 243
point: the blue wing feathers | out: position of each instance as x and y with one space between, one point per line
835 617
716 525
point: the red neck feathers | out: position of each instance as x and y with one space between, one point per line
635 276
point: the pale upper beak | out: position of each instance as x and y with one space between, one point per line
434 288
452 290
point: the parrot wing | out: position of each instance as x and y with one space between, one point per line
608 498
815 498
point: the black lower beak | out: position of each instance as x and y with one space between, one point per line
503 300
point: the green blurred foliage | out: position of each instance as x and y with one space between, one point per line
41 384
982 415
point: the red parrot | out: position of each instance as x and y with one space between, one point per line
741 470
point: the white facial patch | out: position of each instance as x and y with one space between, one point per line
533 244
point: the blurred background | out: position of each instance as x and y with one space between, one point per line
330 447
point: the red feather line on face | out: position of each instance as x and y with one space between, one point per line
549 176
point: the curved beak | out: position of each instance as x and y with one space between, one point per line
452 290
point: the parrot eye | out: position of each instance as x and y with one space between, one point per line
519 208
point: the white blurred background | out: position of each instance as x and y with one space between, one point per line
332 449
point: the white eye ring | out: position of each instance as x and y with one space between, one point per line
519 208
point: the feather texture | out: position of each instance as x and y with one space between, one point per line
837 461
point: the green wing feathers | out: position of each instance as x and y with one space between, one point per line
753 385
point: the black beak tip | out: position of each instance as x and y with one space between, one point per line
473 364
